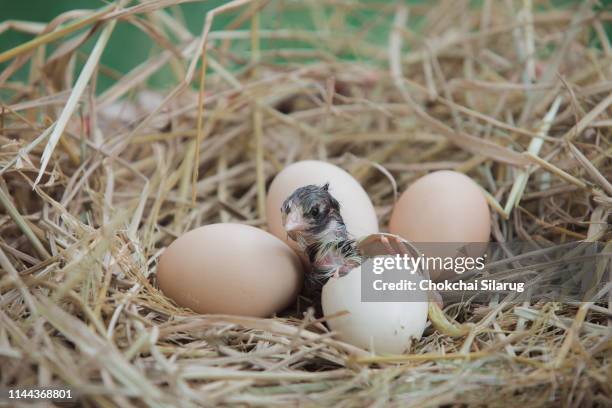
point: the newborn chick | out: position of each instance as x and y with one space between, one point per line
311 217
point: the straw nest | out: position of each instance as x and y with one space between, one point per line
94 186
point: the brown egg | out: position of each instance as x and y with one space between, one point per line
444 206
230 269
356 207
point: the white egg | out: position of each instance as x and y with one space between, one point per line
382 327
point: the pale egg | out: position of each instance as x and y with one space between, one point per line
230 269
384 327
356 207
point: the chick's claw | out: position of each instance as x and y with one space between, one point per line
385 241
393 244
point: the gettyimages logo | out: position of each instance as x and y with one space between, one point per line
411 264
479 272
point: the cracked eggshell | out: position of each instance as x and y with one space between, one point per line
230 269
382 327
356 207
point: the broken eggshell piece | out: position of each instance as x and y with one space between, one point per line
382 327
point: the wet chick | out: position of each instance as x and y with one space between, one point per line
311 217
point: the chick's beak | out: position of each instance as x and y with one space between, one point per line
294 222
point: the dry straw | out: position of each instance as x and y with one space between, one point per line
93 186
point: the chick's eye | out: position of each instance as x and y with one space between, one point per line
314 211
285 208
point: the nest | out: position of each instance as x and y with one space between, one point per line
94 186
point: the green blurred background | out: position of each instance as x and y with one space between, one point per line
129 46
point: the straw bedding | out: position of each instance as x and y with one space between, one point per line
94 186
